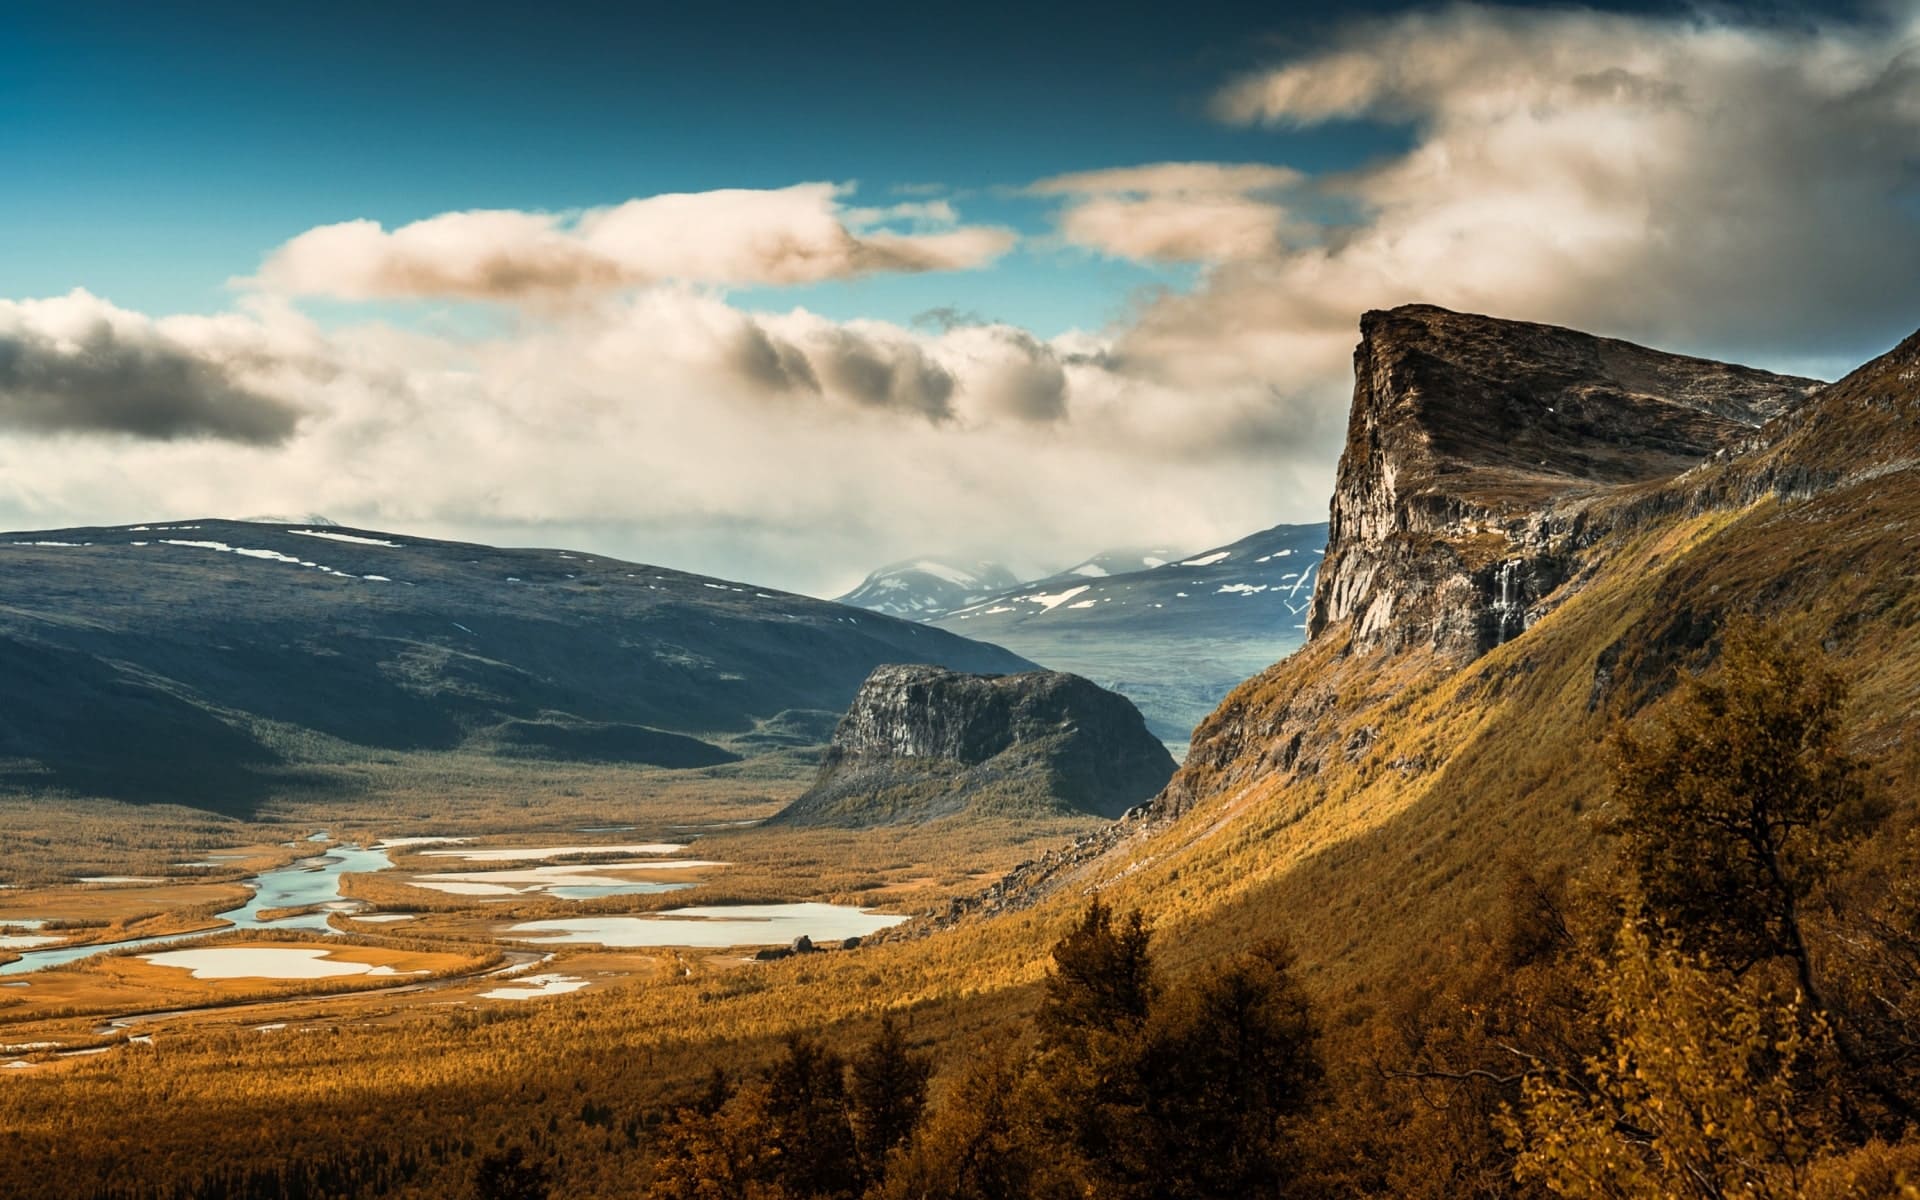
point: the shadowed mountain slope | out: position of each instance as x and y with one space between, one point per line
184 662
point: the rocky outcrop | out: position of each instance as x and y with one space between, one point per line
1475 446
921 743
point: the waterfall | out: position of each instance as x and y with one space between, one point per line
1509 602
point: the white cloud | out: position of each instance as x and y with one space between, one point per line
1172 179
1176 211
1725 186
794 235
673 427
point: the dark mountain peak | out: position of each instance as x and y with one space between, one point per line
1465 428
1482 416
922 742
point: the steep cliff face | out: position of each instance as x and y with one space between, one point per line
1502 588
1473 447
921 743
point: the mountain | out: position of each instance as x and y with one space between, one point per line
922 589
1121 562
1261 583
1472 442
920 743
1535 532
1174 638
207 662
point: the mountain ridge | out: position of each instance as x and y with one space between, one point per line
192 630
1174 638
1473 440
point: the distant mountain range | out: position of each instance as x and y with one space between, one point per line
920 589
205 662
1174 633
1121 562
1258 586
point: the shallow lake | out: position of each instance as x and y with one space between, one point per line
713 927
264 962
310 881
534 987
582 882
527 853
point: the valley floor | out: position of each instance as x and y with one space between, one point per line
507 967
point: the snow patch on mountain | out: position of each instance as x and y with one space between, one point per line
925 588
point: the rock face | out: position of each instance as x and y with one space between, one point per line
1496 471
1473 447
920 743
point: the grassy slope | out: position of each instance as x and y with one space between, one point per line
1380 859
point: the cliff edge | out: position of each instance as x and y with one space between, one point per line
1474 441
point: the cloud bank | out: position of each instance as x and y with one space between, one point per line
78 365
1731 188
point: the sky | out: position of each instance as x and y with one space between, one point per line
782 292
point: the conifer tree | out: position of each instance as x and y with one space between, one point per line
1732 800
887 1095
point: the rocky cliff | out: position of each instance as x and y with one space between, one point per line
920 743
1473 447
1534 532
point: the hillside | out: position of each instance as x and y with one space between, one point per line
1479 628
921 743
1174 637
197 661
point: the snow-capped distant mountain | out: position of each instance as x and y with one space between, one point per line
924 589
1259 584
1121 562
1175 637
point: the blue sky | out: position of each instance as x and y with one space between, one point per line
154 150
552 274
